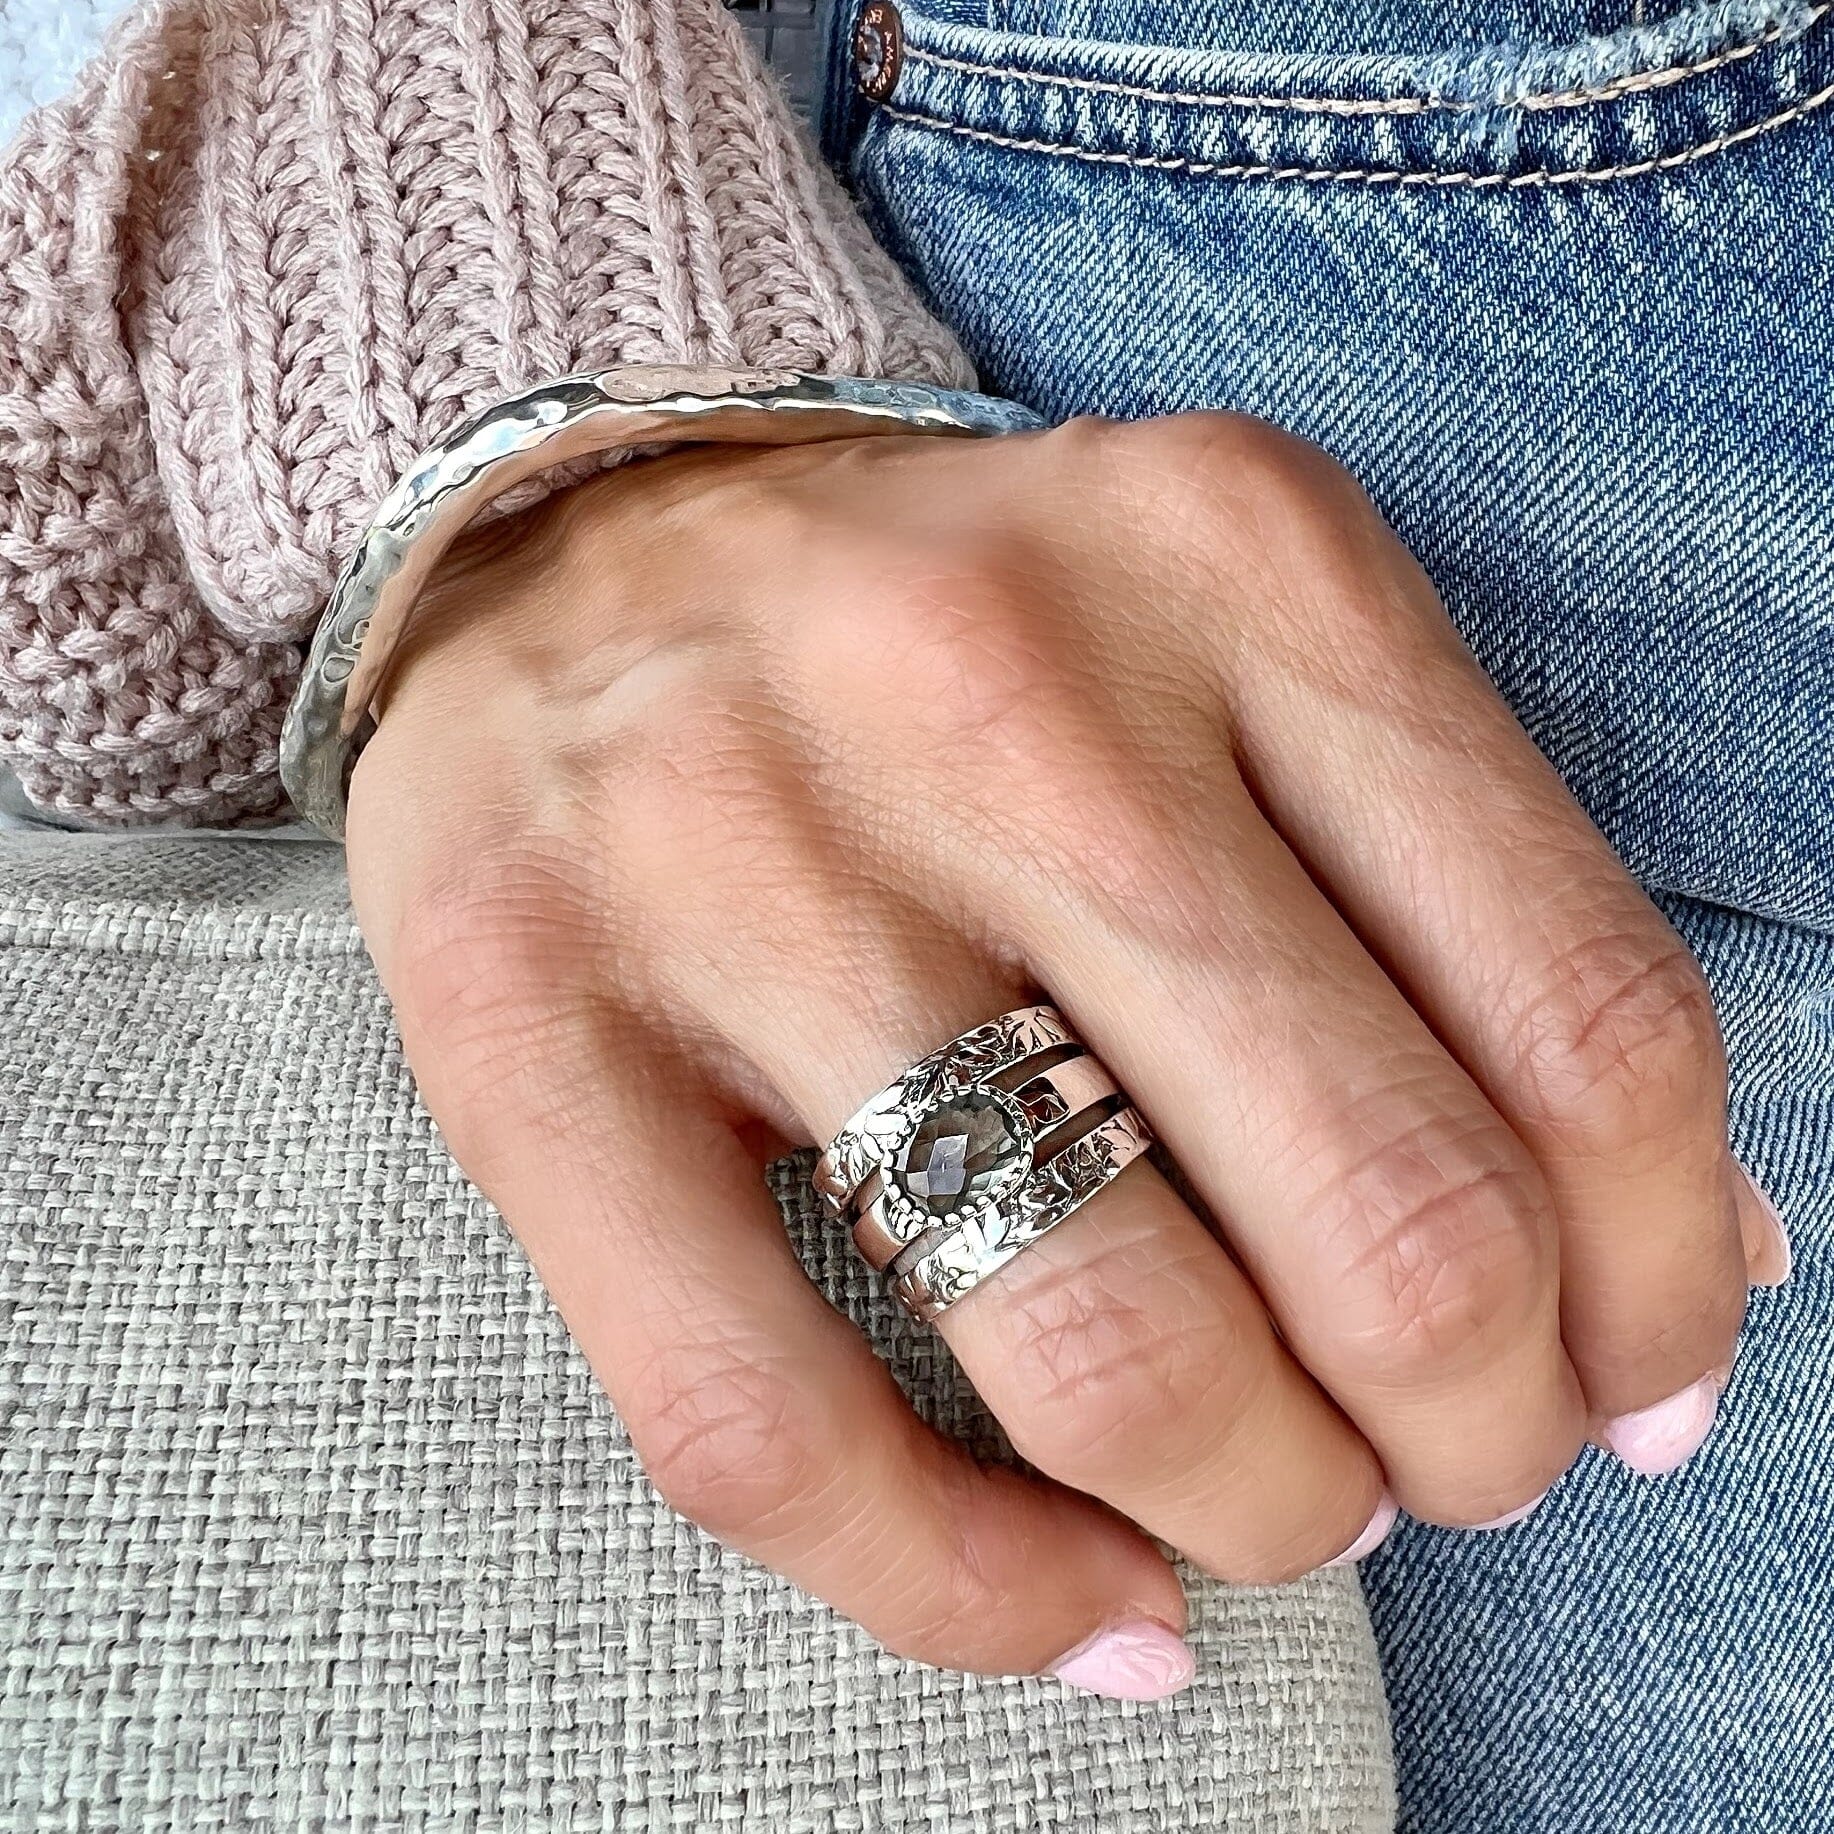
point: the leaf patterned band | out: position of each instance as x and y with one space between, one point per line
975 1152
1056 1190
860 1147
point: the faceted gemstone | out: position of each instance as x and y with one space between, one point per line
957 1154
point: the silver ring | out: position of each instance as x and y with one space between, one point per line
975 1152
956 1265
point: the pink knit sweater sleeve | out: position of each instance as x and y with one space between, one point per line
269 249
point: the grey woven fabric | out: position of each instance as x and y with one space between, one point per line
313 1519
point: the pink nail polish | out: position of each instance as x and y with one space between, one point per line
1136 1660
1514 1516
1773 1223
1657 1440
1373 1536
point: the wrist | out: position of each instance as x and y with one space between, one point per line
576 575
522 439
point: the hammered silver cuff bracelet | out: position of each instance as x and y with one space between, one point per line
576 417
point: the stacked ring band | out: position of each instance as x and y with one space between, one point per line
975 1152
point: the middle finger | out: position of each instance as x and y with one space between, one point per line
1401 1233
1124 1352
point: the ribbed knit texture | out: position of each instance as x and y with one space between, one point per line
269 249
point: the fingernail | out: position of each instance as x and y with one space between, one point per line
1659 1439
1137 1660
1373 1536
1514 1516
1772 1261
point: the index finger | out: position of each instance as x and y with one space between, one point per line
758 1410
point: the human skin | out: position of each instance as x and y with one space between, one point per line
715 791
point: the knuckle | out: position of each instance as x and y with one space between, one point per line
1224 450
1440 1233
949 639
1249 510
726 1442
1102 1356
477 953
1622 1043
1449 1263
1233 465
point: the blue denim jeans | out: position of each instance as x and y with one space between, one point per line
1552 278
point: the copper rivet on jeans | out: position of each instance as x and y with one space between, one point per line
878 49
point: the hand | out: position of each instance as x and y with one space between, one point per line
713 793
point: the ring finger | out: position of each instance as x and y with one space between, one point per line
1124 1352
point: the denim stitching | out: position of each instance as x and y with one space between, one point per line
1475 181
1634 84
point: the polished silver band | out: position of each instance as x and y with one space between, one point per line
975 1152
576 417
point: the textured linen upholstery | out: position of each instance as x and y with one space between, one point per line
314 1519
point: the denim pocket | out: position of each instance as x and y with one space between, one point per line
1407 27
1559 306
1651 98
